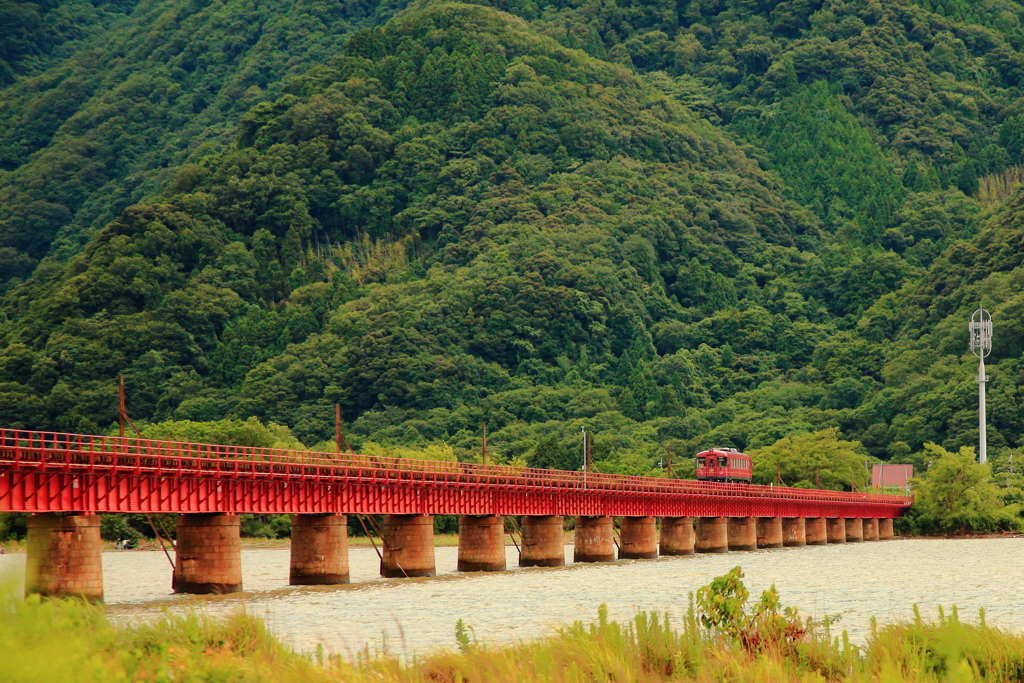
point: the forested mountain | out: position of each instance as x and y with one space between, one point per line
680 224
110 124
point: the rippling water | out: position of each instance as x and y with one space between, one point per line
856 581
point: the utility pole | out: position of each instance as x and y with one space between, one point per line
483 455
669 473
586 459
339 436
122 411
980 330
337 427
120 405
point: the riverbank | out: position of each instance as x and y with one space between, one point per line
723 637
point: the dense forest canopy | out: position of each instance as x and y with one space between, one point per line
111 123
717 222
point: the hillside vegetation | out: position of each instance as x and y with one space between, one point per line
680 225
143 89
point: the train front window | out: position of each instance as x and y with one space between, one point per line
722 462
700 462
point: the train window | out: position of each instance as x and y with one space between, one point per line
722 462
700 462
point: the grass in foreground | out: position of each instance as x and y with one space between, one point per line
722 638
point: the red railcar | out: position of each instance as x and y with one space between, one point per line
723 464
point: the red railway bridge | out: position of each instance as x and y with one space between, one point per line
68 480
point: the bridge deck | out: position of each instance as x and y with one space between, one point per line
55 472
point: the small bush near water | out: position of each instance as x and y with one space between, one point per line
721 638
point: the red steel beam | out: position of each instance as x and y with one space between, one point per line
52 472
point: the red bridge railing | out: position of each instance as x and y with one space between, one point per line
31 451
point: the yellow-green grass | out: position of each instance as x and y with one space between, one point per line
67 640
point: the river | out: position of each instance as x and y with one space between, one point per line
405 616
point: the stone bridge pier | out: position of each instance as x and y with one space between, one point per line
712 535
769 532
595 540
64 556
207 554
836 530
543 541
885 530
319 555
64 549
638 538
677 537
794 532
481 543
408 546
742 533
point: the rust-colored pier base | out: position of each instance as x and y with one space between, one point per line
712 535
481 543
769 532
743 533
319 550
794 532
64 556
595 541
836 527
854 530
885 530
208 555
408 546
676 536
870 529
638 538
816 529
543 541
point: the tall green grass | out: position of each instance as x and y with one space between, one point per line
721 638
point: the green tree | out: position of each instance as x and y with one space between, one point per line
249 432
957 494
554 454
805 459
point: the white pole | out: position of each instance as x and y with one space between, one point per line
982 439
584 430
980 329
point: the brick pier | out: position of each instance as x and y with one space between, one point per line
319 550
595 540
408 546
64 556
208 555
